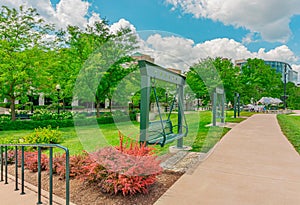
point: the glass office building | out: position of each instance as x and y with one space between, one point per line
281 67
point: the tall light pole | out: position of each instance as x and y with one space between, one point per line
284 87
57 87
31 99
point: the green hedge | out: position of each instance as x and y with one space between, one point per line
32 124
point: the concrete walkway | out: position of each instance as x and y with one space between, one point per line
254 164
9 196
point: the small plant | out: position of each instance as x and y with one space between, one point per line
76 164
5 118
31 161
10 140
125 169
45 114
45 135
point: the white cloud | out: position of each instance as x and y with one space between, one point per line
280 53
180 53
122 23
67 12
268 17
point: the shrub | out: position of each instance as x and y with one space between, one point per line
44 114
126 169
31 161
76 164
44 135
4 117
10 140
10 156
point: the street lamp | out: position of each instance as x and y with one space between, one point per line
31 99
57 87
166 107
284 86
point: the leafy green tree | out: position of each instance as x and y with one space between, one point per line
204 78
23 49
197 86
104 61
293 93
259 80
69 60
229 76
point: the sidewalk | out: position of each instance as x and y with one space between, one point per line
8 195
254 164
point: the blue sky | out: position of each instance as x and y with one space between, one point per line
267 29
158 15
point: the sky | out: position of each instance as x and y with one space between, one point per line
176 31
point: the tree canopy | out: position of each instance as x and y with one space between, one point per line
23 48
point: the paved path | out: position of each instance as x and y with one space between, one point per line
254 164
10 197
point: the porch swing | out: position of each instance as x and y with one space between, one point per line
162 131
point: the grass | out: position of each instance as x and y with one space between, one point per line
243 116
200 137
290 127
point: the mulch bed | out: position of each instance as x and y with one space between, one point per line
87 194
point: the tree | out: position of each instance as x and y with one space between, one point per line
23 49
197 85
229 76
203 78
293 93
104 60
259 80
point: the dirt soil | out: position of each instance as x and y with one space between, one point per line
86 194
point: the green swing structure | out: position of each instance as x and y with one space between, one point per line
162 131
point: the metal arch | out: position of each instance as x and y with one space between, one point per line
155 71
152 71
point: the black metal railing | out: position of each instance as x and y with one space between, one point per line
4 168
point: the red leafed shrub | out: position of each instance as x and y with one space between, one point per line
126 169
10 156
76 163
31 161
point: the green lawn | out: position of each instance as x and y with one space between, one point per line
200 137
290 126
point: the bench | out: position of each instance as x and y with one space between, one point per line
161 133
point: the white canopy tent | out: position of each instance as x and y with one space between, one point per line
269 100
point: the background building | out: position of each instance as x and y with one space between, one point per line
281 67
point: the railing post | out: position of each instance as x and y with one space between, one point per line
6 182
67 178
39 176
16 168
50 175
1 150
4 159
22 171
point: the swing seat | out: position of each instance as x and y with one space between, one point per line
161 136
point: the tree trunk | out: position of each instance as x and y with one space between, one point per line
98 109
13 109
110 105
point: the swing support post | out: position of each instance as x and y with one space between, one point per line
145 103
180 115
150 71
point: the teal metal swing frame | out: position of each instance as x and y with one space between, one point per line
160 132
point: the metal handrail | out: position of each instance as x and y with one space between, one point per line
4 162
